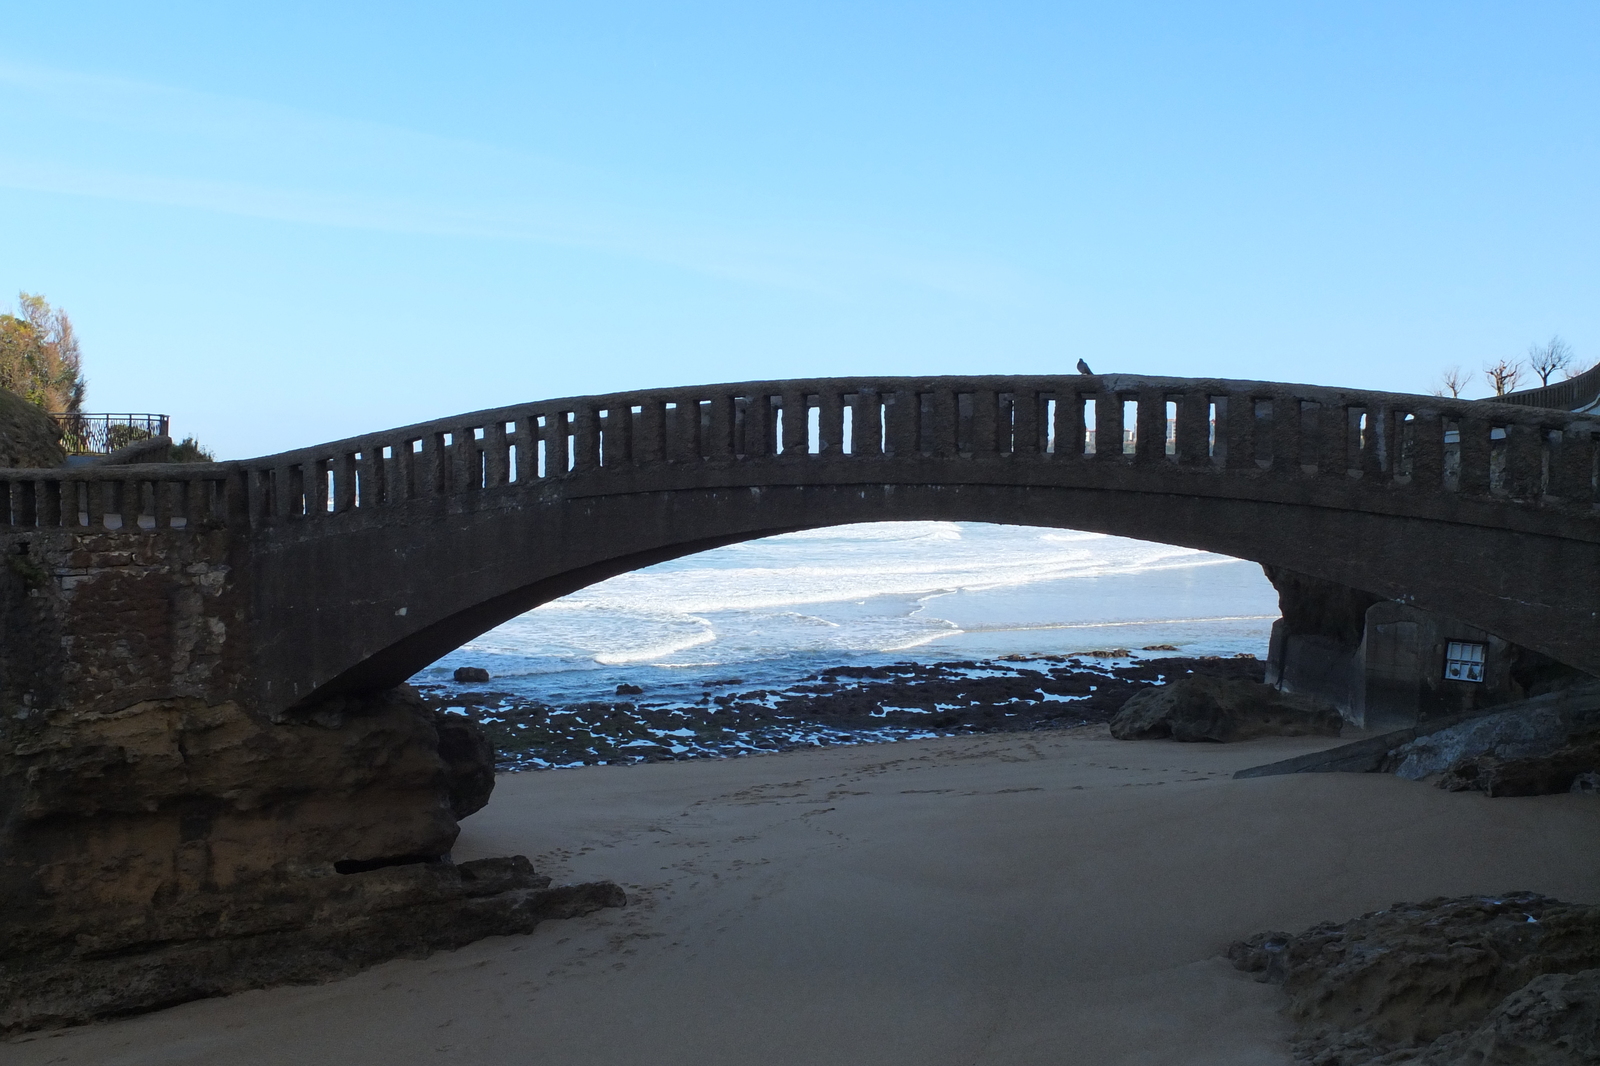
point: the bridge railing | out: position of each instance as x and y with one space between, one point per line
1530 456
158 496
1575 393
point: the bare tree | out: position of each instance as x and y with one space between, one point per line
1503 375
1545 359
1451 381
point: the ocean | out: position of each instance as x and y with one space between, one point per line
770 612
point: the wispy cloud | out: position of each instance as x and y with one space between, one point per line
131 141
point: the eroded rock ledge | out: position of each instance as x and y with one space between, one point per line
1485 980
303 931
175 849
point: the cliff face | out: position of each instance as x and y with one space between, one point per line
162 838
29 437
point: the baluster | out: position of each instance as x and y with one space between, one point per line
555 443
462 464
796 432
1150 427
285 500
946 419
585 439
830 422
1027 407
95 503
317 488
1524 469
717 427
402 476
132 504
758 427
1475 451
1070 429
1374 445
688 430
1572 465
47 501
868 425
161 505
1240 423
647 440
496 455
70 501
1107 426
619 434
194 496
232 504
1427 451
903 409
672 420
1286 433
372 475
343 466
985 423
525 435
1333 440
428 466
1194 428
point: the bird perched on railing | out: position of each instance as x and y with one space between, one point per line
1083 368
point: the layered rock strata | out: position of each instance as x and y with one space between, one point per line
175 849
1482 980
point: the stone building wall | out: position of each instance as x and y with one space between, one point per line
1382 663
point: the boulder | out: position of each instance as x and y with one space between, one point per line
29 437
471 675
468 756
1533 751
1478 979
1509 735
1218 709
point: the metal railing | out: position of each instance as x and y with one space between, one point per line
1574 394
98 434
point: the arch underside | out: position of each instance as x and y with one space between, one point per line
372 606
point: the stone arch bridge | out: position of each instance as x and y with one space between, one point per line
346 567
207 778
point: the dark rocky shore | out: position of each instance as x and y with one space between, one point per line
843 705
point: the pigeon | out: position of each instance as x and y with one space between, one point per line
1083 368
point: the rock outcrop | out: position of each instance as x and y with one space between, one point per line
1530 751
469 762
1482 980
321 926
29 437
175 849
1209 708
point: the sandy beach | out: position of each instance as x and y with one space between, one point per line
1048 897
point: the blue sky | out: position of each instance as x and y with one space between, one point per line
304 221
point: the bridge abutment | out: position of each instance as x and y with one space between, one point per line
165 836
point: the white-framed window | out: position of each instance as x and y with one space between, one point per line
1463 661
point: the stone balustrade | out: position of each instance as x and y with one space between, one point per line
1390 443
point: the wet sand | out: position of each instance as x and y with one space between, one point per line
1049 897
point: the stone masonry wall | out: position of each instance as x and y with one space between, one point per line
163 836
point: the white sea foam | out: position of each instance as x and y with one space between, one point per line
786 605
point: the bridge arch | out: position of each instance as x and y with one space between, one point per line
372 557
362 560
